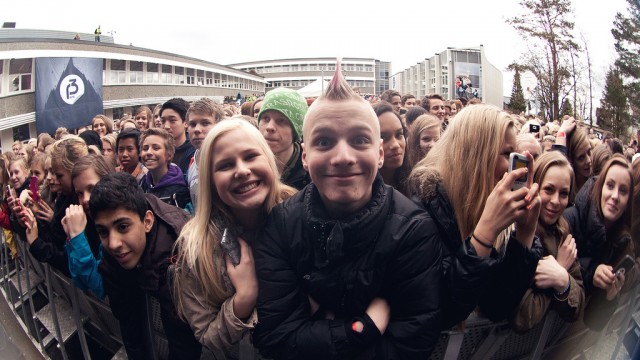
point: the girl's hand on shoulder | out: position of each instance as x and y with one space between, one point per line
243 277
550 274
567 252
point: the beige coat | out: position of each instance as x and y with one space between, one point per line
215 327
536 302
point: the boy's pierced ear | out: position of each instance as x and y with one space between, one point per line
148 221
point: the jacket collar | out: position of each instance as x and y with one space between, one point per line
333 239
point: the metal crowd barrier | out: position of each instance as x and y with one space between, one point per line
66 323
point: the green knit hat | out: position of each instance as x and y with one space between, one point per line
290 104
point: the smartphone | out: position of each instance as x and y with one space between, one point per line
12 192
624 265
33 186
231 246
534 128
519 161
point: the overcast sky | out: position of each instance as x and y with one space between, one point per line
403 32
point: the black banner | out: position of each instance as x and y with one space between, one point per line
68 92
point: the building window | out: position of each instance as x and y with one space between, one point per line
165 76
178 78
20 73
191 76
153 77
209 78
200 75
136 75
20 133
117 73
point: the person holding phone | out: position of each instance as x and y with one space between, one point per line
558 282
19 177
463 183
238 186
601 223
48 239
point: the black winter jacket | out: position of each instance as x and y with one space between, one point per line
387 250
126 289
590 233
294 173
470 280
595 248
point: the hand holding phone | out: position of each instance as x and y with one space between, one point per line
624 265
11 192
33 186
519 161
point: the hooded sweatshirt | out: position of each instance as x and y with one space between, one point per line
172 188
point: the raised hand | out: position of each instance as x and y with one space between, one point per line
568 125
74 221
43 211
29 221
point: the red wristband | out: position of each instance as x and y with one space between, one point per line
561 134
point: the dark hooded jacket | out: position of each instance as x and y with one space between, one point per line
126 289
595 246
386 250
182 156
172 188
294 173
470 280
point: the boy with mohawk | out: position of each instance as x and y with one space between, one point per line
348 267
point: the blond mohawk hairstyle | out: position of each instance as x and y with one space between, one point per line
339 89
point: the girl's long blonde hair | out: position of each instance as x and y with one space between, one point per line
465 160
198 251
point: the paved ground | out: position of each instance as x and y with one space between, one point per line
14 343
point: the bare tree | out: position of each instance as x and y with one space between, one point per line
547 22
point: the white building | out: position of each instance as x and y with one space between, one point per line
370 75
452 73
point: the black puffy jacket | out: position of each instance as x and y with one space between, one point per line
470 280
388 250
590 233
294 173
595 246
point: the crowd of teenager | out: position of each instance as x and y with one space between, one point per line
344 229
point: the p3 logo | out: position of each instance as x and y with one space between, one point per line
71 89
